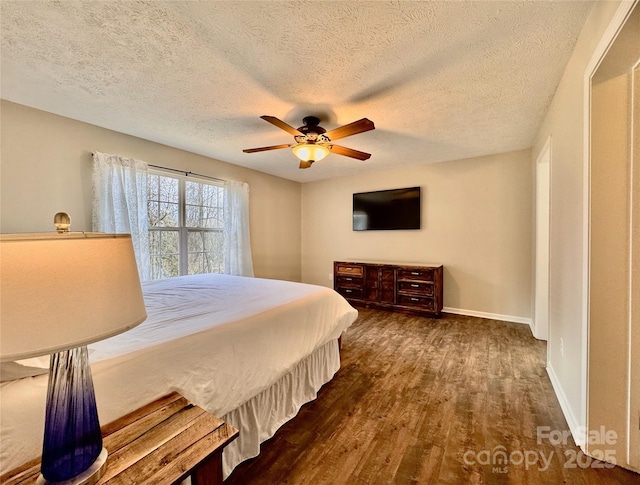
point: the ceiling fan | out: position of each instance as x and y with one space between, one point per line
313 142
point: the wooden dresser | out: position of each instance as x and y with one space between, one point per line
410 288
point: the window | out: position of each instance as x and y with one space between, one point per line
179 224
186 225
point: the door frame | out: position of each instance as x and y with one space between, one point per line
615 26
540 324
633 422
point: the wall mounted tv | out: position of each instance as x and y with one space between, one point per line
387 210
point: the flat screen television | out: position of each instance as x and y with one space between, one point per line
387 210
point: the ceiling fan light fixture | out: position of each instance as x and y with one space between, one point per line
310 152
314 143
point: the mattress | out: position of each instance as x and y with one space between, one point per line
219 340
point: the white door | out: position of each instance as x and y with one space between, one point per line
541 307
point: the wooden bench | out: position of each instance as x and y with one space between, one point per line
160 443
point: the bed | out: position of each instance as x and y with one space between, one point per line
249 350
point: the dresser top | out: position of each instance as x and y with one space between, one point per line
387 263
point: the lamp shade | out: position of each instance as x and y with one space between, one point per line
61 291
310 151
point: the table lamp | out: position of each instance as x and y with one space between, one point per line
60 292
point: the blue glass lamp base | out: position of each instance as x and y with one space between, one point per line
89 477
72 436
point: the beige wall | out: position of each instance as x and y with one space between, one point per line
46 168
565 123
476 221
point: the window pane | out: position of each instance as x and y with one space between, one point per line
164 253
168 214
169 189
163 201
170 266
153 182
170 242
193 215
205 252
192 195
213 217
153 212
196 250
195 264
196 245
209 195
208 199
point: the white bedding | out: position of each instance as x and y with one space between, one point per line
219 340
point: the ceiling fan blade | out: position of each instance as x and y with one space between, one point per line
305 164
354 128
349 152
281 124
264 149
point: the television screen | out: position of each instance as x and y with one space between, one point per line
387 209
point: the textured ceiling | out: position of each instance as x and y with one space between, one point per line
440 80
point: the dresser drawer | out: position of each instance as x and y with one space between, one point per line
424 274
417 287
345 269
350 292
423 303
349 282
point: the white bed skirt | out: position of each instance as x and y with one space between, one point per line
259 418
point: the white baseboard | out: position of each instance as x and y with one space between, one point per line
490 316
577 429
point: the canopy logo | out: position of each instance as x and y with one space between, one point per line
600 448
500 459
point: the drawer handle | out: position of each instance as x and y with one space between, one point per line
415 286
415 273
349 291
415 299
349 279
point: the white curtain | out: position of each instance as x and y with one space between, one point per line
120 203
237 244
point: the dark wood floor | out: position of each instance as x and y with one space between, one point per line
429 401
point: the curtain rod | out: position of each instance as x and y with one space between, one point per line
185 172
